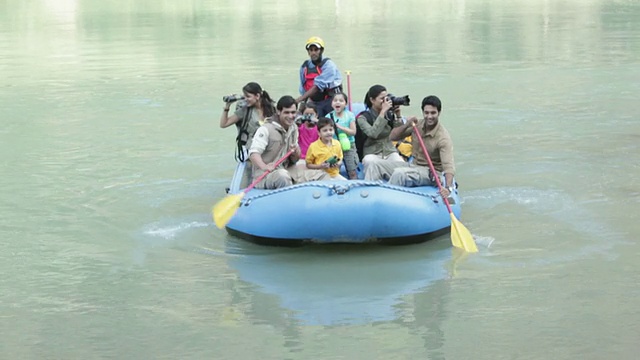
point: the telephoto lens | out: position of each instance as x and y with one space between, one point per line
232 98
399 100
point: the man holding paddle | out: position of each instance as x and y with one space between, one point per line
436 156
438 144
274 150
272 142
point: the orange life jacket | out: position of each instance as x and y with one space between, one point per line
310 73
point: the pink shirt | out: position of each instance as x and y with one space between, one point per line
307 135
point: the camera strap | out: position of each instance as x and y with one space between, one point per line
243 136
335 128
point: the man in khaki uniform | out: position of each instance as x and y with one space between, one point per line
438 143
271 142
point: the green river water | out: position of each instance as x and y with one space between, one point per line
113 158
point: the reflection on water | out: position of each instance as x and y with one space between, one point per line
341 285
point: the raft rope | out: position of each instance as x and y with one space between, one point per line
340 189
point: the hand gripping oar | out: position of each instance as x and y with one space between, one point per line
224 209
460 236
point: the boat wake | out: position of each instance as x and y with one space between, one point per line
171 231
536 220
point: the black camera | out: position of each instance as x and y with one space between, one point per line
395 102
306 117
232 98
399 100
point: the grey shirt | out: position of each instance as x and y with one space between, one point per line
377 141
254 121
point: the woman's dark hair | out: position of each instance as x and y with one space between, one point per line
266 103
324 121
373 92
346 99
433 101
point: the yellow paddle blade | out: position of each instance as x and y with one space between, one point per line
224 210
461 237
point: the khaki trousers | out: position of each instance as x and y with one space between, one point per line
377 167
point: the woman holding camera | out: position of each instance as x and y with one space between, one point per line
378 154
249 116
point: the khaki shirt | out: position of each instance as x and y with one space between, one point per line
272 142
439 145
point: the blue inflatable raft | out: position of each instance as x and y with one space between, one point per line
347 211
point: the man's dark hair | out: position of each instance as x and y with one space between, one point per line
285 102
433 101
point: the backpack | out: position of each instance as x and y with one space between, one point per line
361 137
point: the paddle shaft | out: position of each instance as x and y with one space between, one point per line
460 236
264 174
349 88
433 169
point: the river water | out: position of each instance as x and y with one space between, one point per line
113 159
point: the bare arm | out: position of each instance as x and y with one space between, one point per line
322 166
351 130
225 119
314 89
448 179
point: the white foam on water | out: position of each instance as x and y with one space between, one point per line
162 234
485 241
170 232
597 237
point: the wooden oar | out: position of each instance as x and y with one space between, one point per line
460 236
224 209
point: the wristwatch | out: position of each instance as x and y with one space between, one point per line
450 188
